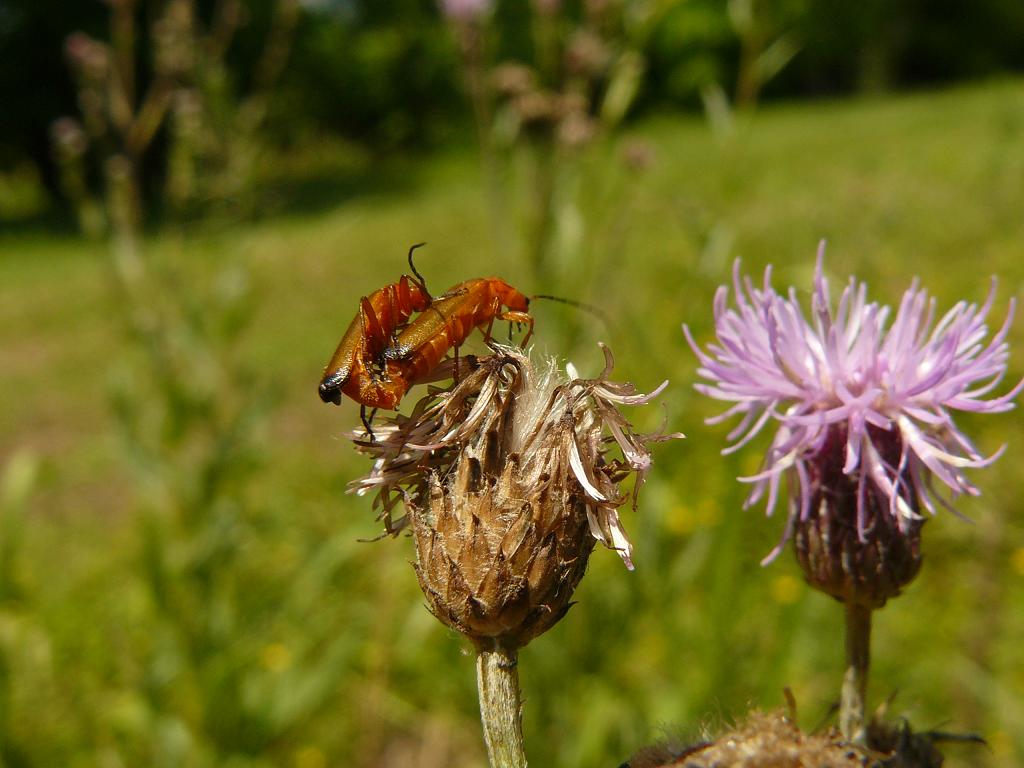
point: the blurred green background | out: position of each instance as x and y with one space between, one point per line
193 196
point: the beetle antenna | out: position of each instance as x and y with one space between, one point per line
423 283
588 308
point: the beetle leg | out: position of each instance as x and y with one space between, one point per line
493 311
514 316
394 303
367 421
373 332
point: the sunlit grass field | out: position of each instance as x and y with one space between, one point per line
339 662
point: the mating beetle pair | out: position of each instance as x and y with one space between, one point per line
385 350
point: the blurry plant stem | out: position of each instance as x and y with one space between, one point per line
748 79
747 24
501 708
543 151
471 43
542 215
855 682
546 44
980 635
123 207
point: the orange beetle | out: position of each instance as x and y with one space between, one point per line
355 368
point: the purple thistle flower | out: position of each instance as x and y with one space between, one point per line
876 397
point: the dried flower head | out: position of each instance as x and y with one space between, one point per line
587 54
576 129
69 138
864 408
547 7
513 79
508 478
466 11
89 57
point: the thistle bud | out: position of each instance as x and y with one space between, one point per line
849 544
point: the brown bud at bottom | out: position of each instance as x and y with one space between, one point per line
498 559
858 569
762 741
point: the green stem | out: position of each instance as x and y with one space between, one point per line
501 708
542 214
852 720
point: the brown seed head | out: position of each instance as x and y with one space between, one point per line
497 559
507 479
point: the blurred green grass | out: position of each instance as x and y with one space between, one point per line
926 184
